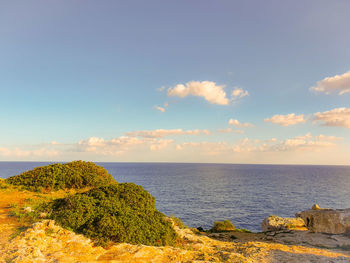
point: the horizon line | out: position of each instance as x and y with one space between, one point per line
160 162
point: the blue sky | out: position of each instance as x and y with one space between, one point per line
79 79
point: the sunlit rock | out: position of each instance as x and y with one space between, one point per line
327 220
276 223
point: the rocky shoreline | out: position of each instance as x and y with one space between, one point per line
45 241
316 235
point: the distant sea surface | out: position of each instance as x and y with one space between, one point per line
200 194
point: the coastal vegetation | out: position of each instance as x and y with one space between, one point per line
76 175
119 213
222 226
83 197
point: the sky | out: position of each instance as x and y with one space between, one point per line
225 81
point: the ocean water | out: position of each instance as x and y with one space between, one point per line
200 194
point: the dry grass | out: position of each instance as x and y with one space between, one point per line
13 199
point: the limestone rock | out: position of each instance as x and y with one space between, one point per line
46 242
328 221
276 223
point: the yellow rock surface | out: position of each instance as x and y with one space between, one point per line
47 242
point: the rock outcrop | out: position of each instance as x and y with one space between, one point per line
47 242
276 223
330 221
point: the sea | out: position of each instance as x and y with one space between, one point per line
245 194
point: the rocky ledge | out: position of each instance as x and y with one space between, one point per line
331 221
276 223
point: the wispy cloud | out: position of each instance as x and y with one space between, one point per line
306 142
23 153
159 133
239 124
161 108
337 83
239 93
287 120
339 117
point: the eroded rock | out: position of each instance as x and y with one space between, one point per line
276 223
330 221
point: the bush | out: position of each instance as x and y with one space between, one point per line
77 174
222 226
119 213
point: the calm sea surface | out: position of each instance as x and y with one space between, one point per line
200 194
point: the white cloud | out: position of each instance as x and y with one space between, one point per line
339 117
338 83
238 93
132 141
119 145
159 133
300 149
239 124
125 144
212 92
93 141
160 144
287 120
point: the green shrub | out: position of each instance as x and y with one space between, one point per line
243 230
222 226
77 174
118 212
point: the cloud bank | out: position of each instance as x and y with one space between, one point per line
298 149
